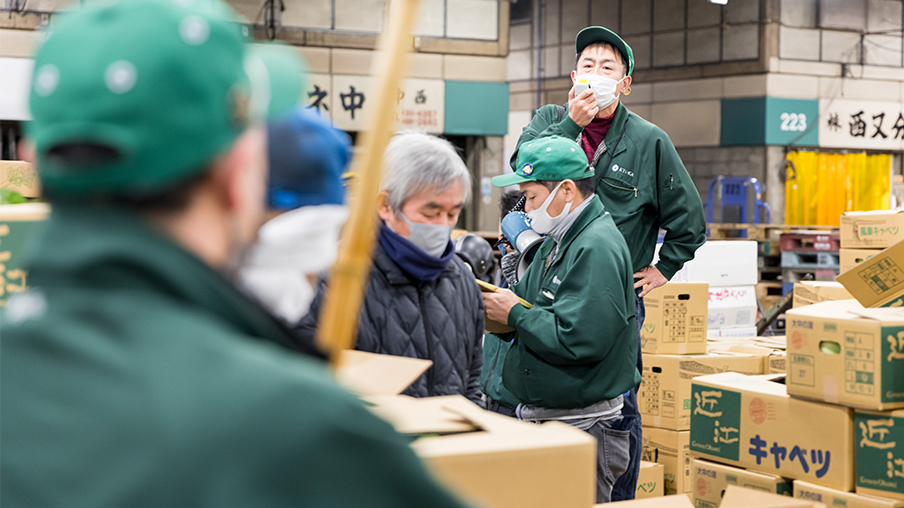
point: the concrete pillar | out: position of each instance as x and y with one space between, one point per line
775 183
485 159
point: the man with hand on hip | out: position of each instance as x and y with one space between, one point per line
638 174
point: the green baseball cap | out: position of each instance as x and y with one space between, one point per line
593 34
164 85
551 158
287 73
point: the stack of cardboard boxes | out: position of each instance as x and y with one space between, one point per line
864 234
674 352
835 426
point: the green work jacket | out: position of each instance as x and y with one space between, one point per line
135 375
578 344
643 184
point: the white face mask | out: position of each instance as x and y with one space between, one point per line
604 89
540 220
289 247
430 238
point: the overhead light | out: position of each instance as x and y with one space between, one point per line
720 2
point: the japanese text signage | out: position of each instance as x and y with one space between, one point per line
862 124
420 103
879 443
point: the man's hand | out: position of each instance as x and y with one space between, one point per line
582 108
650 277
499 304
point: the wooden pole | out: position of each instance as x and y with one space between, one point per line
338 322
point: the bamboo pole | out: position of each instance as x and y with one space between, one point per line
338 323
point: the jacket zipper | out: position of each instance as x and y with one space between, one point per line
622 188
430 371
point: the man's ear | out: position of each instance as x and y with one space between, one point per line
236 174
625 85
570 189
383 208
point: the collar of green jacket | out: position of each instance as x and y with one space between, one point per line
112 248
593 210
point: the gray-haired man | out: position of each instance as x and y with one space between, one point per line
421 300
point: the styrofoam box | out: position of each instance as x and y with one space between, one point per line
720 263
731 307
739 331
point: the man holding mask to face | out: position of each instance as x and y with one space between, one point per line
422 301
639 177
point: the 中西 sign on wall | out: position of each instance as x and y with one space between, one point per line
347 100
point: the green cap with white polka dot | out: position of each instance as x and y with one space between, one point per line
161 86
551 158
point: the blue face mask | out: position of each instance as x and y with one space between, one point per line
430 238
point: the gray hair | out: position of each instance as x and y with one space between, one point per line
417 162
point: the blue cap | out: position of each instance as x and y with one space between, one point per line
307 159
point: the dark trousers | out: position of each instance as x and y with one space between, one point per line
626 485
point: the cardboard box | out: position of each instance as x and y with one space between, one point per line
879 447
740 497
722 264
19 225
711 480
674 501
650 480
492 460
671 448
374 374
773 359
842 353
776 363
876 229
836 498
849 258
810 292
21 177
664 396
729 307
751 422
878 281
675 321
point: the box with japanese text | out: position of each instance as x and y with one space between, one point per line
836 498
879 447
742 497
776 363
722 264
711 480
842 353
849 258
751 422
20 176
875 229
773 359
650 480
810 292
664 396
730 307
492 460
671 449
675 320
878 281
19 228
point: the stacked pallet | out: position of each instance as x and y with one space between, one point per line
809 252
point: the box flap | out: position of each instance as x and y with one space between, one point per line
739 497
676 501
419 417
890 315
373 374
871 212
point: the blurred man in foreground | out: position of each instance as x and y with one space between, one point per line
134 373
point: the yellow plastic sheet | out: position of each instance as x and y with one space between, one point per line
819 187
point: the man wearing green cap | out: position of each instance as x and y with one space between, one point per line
134 372
573 353
639 176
